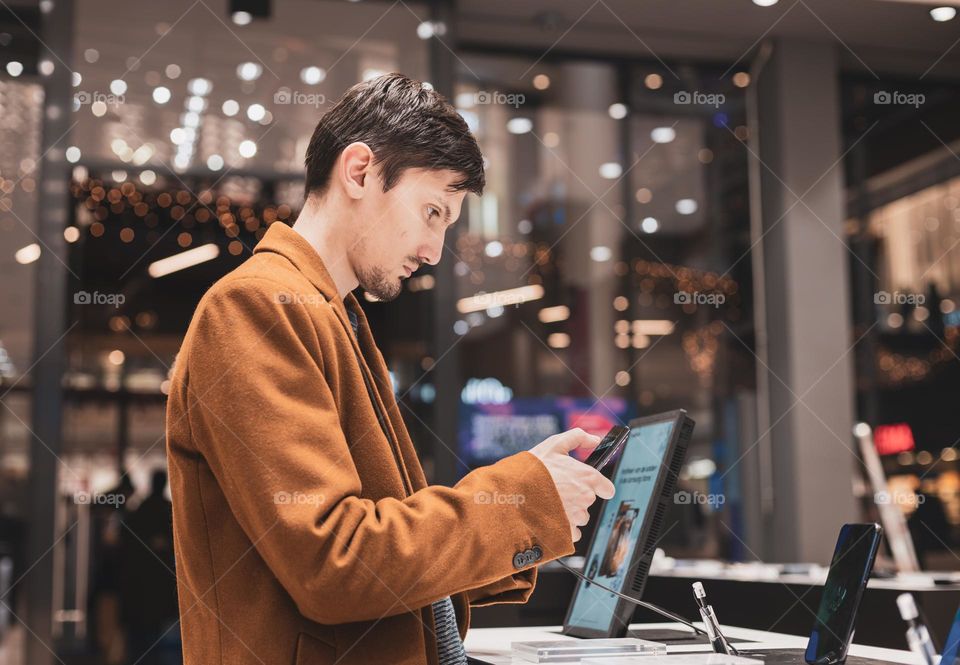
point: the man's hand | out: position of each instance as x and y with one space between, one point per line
578 484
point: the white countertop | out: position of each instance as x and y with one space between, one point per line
493 644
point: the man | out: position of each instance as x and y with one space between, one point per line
304 529
148 593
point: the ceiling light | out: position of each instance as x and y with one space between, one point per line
519 125
601 253
610 170
312 75
183 260
554 314
190 118
686 206
161 94
248 148
558 340
426 30
196 104
28 254
199 86
256 112
652 327
663 134
941 14
249 71
494 249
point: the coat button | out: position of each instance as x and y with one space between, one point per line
519 561
537 553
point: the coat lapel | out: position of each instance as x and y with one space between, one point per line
282 239
378 367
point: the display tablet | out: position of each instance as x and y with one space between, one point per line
628 525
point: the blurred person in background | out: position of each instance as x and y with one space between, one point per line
107 517
149 587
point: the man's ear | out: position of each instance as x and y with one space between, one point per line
354 168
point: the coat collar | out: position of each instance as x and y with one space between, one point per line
283 240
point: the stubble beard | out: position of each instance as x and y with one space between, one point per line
377 282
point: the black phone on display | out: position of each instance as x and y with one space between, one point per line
850 568
608 447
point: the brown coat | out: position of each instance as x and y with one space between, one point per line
302 534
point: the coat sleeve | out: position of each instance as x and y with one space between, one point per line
263 416
516 588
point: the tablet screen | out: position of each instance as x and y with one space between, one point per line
619 524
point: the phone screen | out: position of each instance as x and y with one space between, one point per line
849 571
608 446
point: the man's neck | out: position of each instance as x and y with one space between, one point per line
317 226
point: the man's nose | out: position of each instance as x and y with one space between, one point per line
433 249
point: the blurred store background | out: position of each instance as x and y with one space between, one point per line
750 210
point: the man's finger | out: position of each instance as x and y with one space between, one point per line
601 485
576 438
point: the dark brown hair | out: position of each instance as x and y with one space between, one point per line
405 124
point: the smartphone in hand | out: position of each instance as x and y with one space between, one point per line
608 447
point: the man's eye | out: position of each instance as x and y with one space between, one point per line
433 212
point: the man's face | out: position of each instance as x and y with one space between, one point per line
402 228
